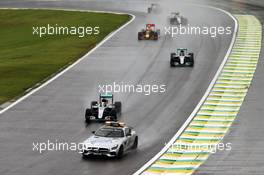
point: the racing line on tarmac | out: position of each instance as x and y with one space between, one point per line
220 108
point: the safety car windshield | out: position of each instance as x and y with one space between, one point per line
109 132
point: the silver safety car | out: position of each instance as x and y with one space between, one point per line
113 139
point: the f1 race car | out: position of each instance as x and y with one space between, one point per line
175 18
181 58
152 6
103 110
150 33
113 139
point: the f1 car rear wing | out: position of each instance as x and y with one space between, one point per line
178 50
107 96
150 26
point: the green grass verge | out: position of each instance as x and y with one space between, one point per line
26 59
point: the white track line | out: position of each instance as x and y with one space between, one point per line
75 63
189 119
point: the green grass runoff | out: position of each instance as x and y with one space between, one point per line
27 59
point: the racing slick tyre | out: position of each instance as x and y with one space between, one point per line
156 36
191 60
191 55
93 103
171 60
85 156
173 55
88 113
172 64
135 144
118 106
120 152
139 36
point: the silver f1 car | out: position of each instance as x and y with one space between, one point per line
152 6
113 139
181 58
103 110
175 18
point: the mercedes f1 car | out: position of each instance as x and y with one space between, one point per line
175 18
103 110
181 58
150 33
113 139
